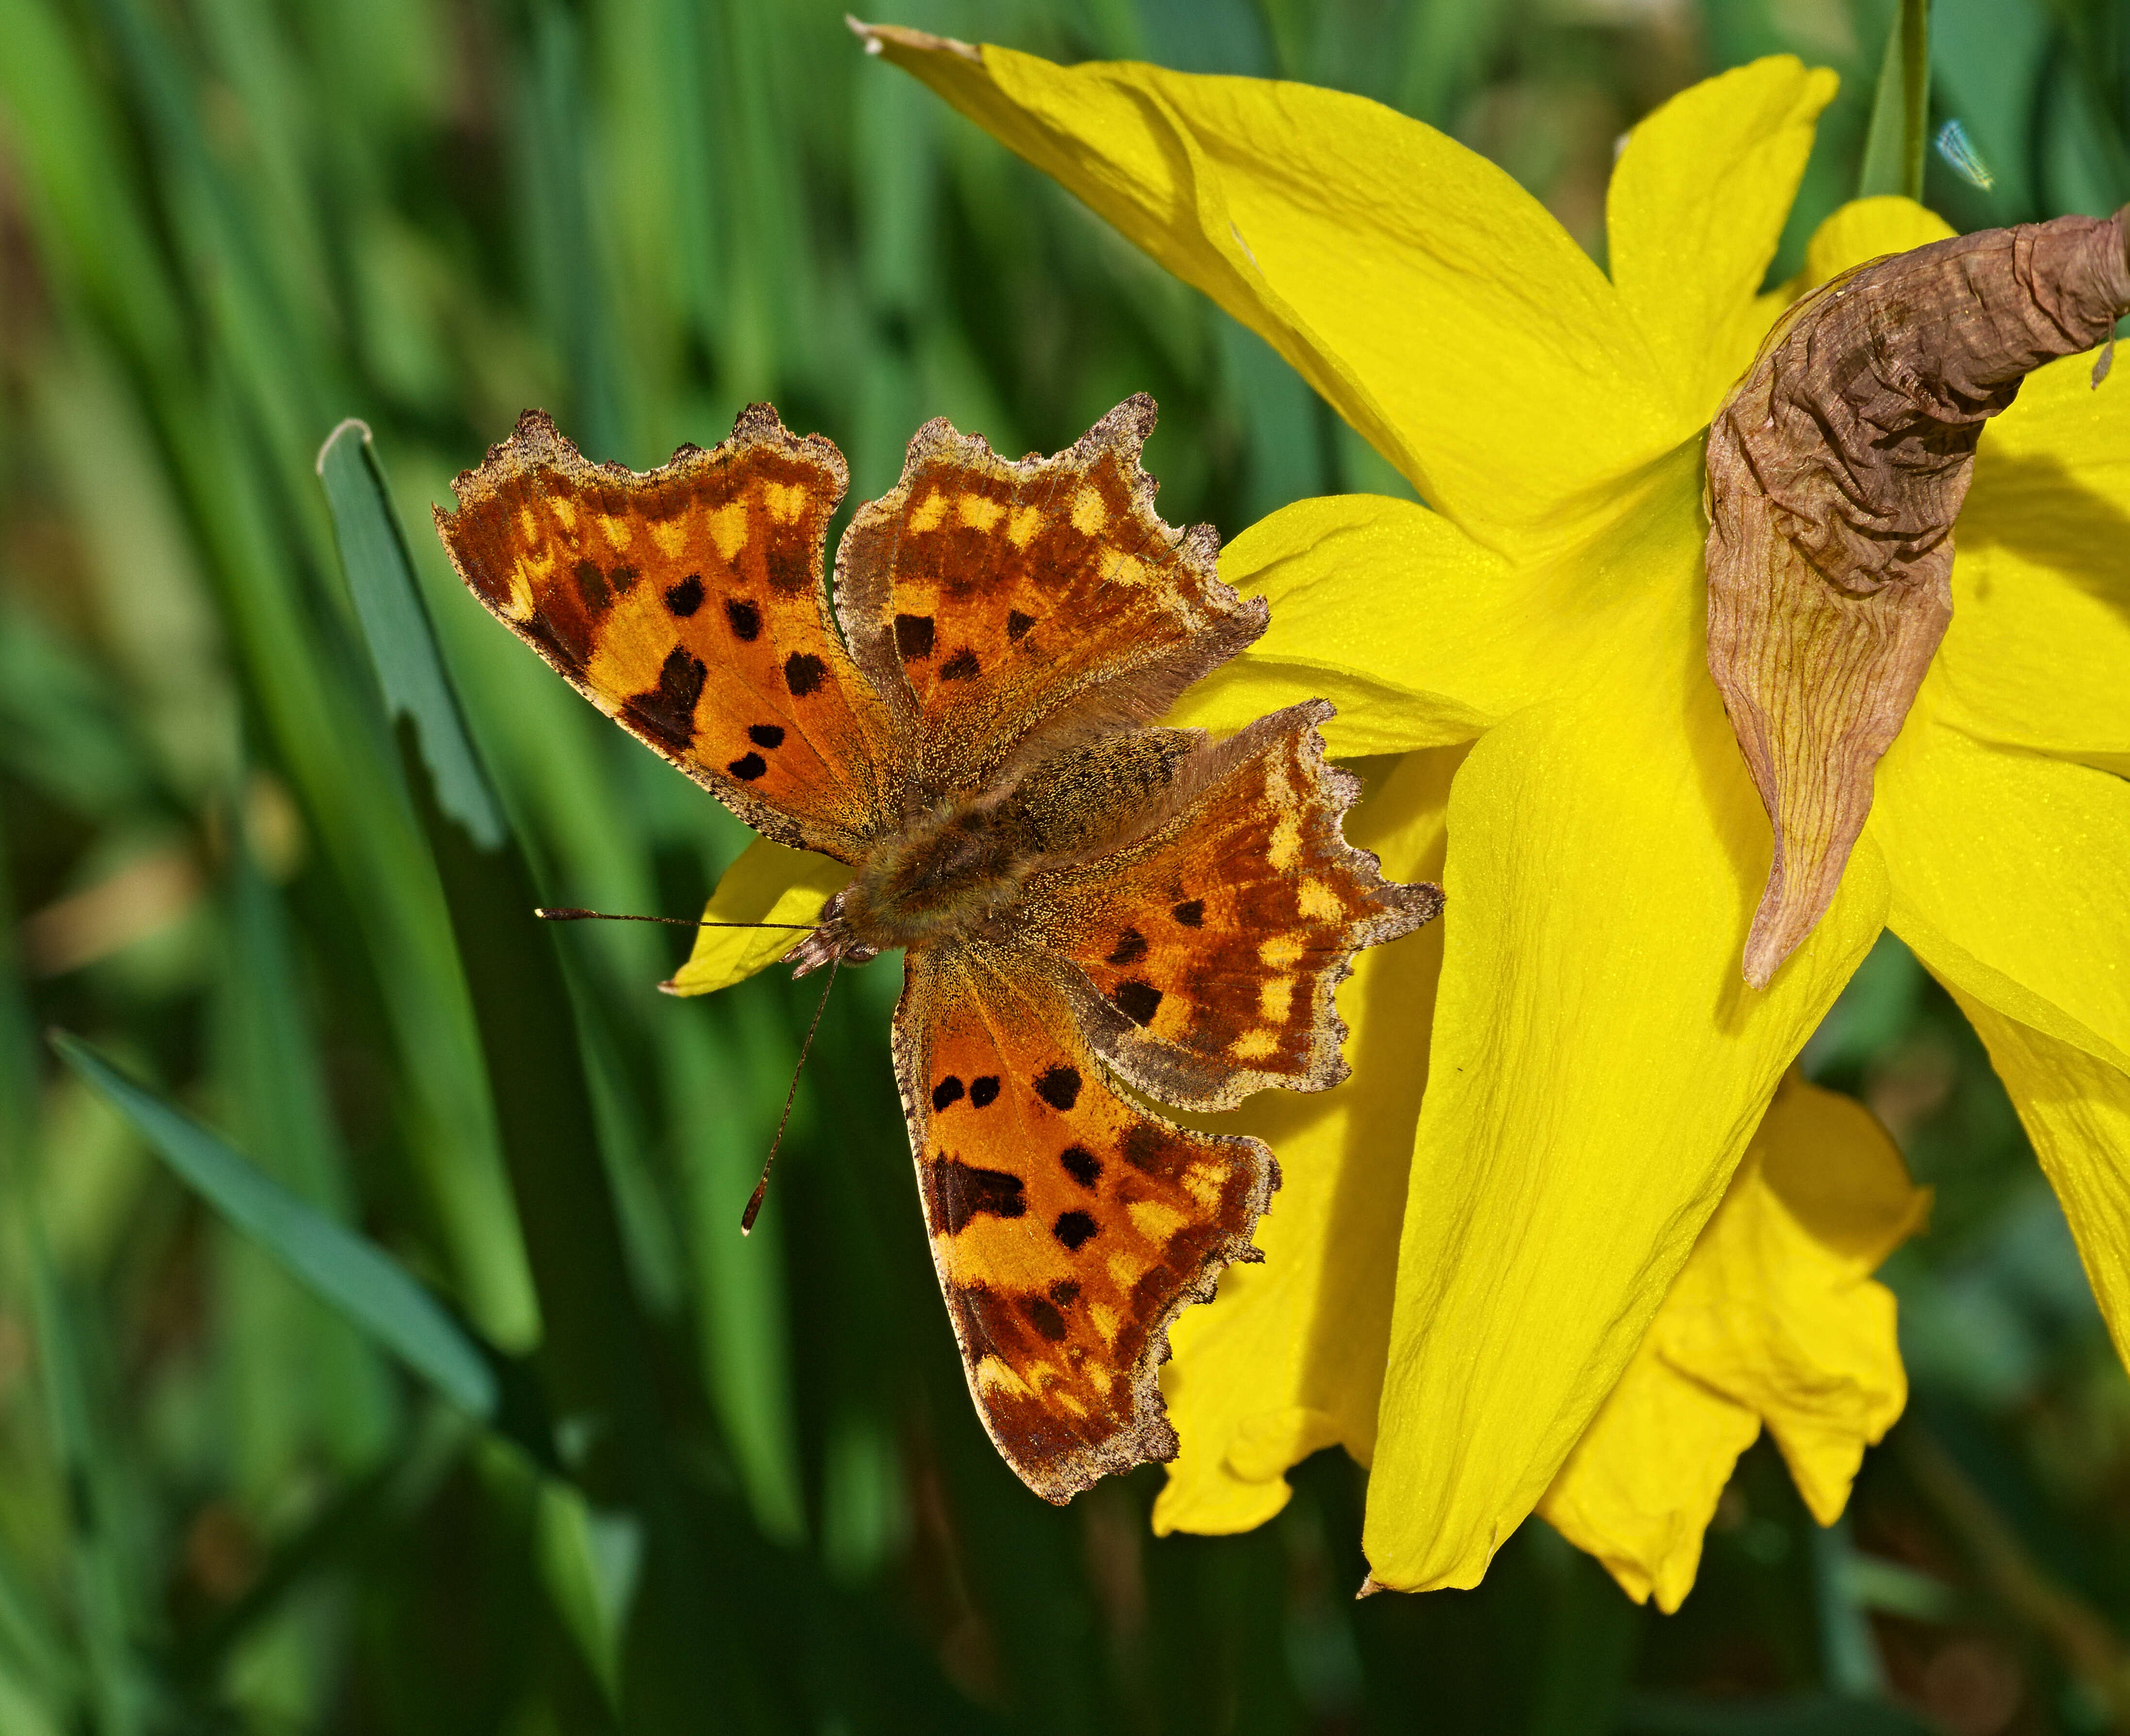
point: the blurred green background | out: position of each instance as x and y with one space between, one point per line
738 1485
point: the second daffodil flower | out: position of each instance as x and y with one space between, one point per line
1589 1261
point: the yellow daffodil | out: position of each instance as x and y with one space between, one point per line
1517 1288
1597 1067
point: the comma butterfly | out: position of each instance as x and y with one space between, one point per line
1090 906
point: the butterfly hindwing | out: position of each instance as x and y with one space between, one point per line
687 604
1214 947
1069 1226
993 599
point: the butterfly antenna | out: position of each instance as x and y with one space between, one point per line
762 1187
564 914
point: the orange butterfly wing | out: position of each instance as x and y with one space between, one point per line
687 604
1215 948
996 602
1069 1226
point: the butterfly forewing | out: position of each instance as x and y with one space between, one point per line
990 597
687 602
1069 1226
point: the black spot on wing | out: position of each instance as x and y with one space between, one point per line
958 1192
591 587
1074 1229
1065 1292
1017 624
962 666
1190 913
983 1092
1059 1087
912 636
1131 948
947 1090
686 597
1137 1001
1082 1164
667 713
748 767
1043 1316
804 674
745 618
622 579
766 735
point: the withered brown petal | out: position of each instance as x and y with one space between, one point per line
1835 472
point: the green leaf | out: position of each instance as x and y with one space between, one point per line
352 1274
396 627
104 1557
1900 112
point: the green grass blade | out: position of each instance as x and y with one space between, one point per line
115 1688
1900 112
298 1378
352 1274
396 626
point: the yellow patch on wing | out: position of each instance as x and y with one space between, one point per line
1023 525
1319 901
979 511
729 528
993 1375
1254 1046
526 574
786 501
1155 1219
1089 513
1280 951
926 514
1276 999
671 535
1284 849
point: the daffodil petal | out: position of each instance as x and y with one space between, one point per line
1642 1484
1597 1068
2038 654
1777 1310
1436 305
1288 1356
770 882
1774 1318
2010 873
1695 209
1864 229
2076 1108
1418 635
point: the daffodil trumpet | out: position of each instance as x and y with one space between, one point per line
1835 472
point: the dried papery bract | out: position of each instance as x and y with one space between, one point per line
1835 470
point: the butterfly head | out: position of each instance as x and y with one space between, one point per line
831 941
